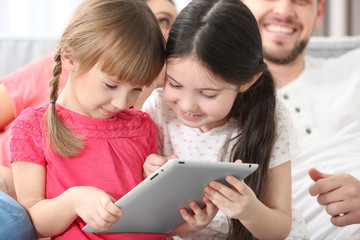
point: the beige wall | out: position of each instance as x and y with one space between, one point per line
341 18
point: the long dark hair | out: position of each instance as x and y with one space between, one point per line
224 36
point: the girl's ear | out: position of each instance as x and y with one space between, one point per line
67 59
247 85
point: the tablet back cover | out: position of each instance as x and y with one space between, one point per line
153 205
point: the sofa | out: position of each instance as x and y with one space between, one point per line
332 46
16 51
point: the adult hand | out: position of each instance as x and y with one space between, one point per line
153 162
340 193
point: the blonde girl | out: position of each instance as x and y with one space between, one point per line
74 156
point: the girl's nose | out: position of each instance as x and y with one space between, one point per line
120 103
188 103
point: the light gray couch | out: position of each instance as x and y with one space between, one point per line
332 46
15 52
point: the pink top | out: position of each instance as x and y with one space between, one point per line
112 159
28 87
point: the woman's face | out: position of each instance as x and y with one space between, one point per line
165 12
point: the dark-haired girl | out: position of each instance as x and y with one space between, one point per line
218 104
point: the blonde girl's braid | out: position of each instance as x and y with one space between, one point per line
60 138
54 84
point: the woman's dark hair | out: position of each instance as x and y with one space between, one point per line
224 36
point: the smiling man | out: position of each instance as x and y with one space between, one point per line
322 98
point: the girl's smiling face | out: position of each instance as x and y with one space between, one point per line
199 98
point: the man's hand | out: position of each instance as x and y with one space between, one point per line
340 193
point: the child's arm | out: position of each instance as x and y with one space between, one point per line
53 216
267 218
6 181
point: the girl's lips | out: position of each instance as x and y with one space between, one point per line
108 113
190 116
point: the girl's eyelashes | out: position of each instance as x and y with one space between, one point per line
139 89
173 84
210 96
177 86
111 86
114 86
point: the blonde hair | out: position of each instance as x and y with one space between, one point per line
122 37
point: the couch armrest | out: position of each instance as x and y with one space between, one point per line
16 52
332 46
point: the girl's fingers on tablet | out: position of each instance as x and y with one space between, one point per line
238 161
156 160
189 218
172 157
198 217
94 225
211 209
239 185
221 191
152 163
227 199
101 224
110 207
212 193
210 206
196 209
98 222
106 218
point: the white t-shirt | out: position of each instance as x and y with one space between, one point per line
324 103
192 144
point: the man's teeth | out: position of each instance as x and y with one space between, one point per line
279 29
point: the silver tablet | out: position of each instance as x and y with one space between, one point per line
153 205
